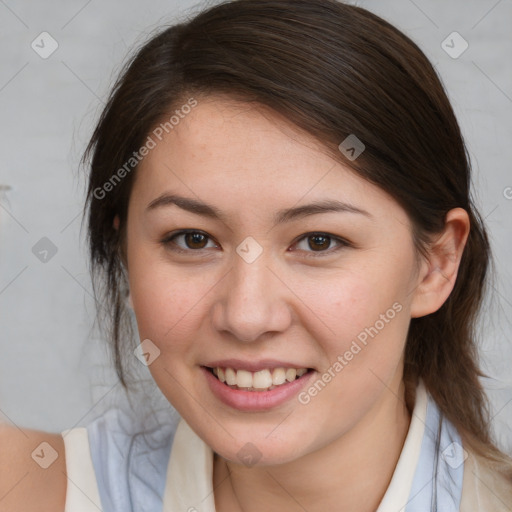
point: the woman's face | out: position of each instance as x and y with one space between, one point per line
254 289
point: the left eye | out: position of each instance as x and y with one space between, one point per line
196 240
319 242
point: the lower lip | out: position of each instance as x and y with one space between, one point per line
253 401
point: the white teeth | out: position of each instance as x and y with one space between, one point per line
278 376
261 380
230 376
291 373
244 379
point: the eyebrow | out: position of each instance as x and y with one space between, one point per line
282 216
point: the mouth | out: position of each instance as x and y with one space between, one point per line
258 381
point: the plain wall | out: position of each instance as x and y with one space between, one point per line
54 370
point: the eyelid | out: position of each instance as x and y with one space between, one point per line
342 242
168 239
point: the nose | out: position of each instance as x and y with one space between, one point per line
252 301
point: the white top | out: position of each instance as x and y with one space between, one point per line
82 493
189 477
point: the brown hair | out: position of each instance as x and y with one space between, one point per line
333 70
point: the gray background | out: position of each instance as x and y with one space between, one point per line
54 369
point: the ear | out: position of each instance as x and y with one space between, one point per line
116 222
439 272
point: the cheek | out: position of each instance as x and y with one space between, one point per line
352 301
168 300
368 323
363 319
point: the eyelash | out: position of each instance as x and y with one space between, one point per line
169 243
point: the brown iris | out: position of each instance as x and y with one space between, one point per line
322 245
195 238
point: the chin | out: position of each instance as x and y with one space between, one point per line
253 448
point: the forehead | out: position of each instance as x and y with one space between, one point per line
221 136
239 153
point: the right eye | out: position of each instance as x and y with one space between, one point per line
194 241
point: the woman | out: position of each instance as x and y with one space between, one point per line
284 190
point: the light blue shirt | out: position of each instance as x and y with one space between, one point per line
131 465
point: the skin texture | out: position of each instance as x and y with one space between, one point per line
339 451
26 486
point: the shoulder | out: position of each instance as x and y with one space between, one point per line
32 470
484 487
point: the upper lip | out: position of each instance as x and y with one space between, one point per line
252 366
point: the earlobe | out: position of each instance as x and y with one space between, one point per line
438 275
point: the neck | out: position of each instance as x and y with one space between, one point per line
351 473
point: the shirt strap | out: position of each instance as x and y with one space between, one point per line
82 491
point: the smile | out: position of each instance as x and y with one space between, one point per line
255 391
262 380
